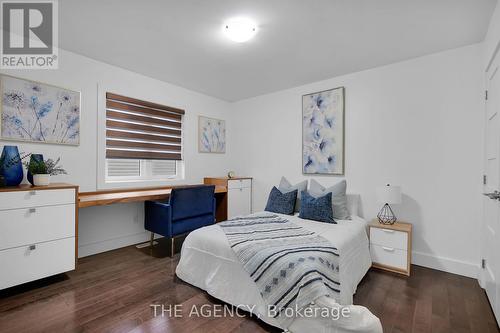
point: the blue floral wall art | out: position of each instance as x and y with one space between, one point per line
211 135
323 132
37 112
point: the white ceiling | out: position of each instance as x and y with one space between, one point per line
299 41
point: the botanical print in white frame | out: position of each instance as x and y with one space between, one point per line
323 132
38 112
211 135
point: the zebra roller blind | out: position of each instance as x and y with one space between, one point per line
137 129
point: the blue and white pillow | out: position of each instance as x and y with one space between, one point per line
317 209
282 203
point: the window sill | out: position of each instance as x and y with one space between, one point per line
119 184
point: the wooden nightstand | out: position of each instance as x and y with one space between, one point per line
390 246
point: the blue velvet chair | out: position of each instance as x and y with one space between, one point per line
188 208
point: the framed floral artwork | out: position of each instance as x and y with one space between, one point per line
37 112
211 135
323 132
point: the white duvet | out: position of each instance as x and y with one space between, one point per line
208 262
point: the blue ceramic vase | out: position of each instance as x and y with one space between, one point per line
37 158
11 167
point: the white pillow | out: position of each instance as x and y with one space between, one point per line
353 204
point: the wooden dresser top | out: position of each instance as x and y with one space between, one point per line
28 187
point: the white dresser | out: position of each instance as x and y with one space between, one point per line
390 246
38 232
239 194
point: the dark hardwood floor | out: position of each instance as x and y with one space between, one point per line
113 292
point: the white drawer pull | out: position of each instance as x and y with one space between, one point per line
32 247
32 210
388 249
388 231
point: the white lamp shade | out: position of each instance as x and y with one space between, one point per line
389 194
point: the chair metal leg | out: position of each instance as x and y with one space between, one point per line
152 240
172 247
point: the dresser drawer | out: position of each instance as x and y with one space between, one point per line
28 199
33 225
22 264
389 256
239 183
389 238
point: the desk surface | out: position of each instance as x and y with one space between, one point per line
102 198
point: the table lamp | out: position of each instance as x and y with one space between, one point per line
388 195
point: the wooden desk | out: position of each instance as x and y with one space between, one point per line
238 199
103 198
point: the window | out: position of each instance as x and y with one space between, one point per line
135 170
143 140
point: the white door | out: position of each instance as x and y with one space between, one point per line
490 244
239 201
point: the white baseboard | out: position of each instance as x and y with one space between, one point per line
418 258
445 264
112 244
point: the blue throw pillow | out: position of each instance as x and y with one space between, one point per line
282 203
339 197
317 209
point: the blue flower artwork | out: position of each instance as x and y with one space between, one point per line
211 135
323 132
37 112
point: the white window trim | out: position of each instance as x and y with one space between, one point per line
102 182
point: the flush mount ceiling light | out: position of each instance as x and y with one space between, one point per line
239 29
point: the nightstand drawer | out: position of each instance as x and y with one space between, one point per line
389 238
389 256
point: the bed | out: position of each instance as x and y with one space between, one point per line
208 262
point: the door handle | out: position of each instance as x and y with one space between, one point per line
495 195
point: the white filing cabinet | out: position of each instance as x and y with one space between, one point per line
239 195
37 232
390 246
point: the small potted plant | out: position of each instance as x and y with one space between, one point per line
42 170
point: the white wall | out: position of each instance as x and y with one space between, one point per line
104 228
492 38
417 124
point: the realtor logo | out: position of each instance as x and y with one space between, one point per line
29 34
